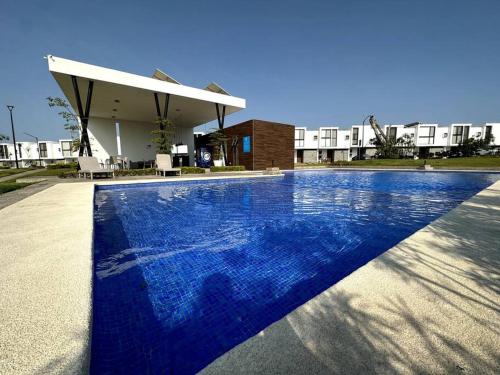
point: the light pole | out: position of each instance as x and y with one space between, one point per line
37 148
363 138
10 108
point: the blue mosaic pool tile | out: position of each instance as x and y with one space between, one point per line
185 271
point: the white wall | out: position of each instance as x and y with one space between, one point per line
135 139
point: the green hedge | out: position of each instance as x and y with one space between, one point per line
192 170
71 165
229 168
68 174
135 172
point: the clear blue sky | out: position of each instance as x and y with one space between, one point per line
308 63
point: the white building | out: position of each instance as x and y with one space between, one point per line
31 153
328 144
119 111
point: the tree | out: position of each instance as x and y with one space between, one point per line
71 120
163 136
217 139
471 146
404 146
3 137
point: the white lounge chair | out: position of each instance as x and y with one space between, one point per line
91 166
164 164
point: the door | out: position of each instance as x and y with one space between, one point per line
300 156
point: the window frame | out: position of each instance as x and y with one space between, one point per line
488 131
4 152
390 130
355 136
430 136
463 134
63 150
42 152
299 142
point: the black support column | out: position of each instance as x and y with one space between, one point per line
84 116
220 120
161 118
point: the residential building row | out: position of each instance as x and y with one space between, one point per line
328 144
33 153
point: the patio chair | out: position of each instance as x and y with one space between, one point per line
164 164
91 166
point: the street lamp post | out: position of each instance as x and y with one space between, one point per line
363 137
37 148
10 108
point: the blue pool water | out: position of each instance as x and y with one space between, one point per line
185 271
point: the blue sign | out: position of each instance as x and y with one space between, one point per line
204 157
246 144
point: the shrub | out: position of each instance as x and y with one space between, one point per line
229 168
135 172
340 163
68 174
192 170
71 165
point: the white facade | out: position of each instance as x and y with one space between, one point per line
328 144
31 153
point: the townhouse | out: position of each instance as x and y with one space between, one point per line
33 153
328 144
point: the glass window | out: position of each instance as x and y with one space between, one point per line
426 135
328 138
392 131
466 132
299 137
355 136
4 152
460 133
487 132
20 150
66 148
42 147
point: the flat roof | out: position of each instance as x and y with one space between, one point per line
128 96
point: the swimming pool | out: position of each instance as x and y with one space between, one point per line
184 271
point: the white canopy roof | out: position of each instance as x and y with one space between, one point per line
129 96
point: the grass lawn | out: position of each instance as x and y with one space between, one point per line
11 171
10 186
479 162
52 172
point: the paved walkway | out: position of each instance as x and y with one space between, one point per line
18 175
11 197
45 281
430 305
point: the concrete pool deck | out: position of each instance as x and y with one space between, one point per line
430 304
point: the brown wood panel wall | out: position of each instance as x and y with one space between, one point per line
272 144
240 130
